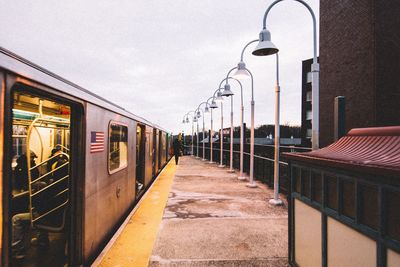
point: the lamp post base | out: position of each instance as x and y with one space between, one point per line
251 185
204 159
276 202
242 178
211 162
231 171
221 166
197 157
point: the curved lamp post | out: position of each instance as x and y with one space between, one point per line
241 73
265 48
227 92
193 120
213 105
219 98
196 120
206 110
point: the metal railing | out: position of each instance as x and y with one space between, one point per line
263 160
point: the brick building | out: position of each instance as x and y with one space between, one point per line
360 59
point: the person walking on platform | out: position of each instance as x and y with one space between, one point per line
177 149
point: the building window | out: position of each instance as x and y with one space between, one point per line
309 96
308 133
118 147
308 115
309 77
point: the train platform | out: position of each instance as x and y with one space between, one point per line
197 214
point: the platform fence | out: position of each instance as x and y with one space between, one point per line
263 160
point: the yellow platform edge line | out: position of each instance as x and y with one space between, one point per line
133 243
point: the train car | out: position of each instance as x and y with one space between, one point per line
72 166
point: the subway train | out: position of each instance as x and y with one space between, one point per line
73 165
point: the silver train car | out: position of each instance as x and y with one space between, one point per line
72 166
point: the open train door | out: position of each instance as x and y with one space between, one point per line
140 159
42 173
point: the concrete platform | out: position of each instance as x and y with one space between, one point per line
133 242
213 219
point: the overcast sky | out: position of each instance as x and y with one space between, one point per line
160 59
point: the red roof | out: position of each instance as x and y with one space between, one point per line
372 150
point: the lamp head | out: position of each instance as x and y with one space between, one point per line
194 119
187 120
183 121
213 104
227 90
219 98
198 114
265 47
241 72
206 110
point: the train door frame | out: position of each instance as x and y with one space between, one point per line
166 147
141 157
77 172
155 153
160 149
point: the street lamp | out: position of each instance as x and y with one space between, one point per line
193 120
198 116
264 48
243 72
227 91
220 99
213 105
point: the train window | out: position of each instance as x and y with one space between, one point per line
118 147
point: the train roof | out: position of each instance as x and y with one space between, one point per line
23 67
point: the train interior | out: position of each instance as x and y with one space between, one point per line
140 159
40 181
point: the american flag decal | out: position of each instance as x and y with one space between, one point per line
96 142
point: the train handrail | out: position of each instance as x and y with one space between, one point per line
45 161
50 211
50 185
47 173
63 147
39 120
